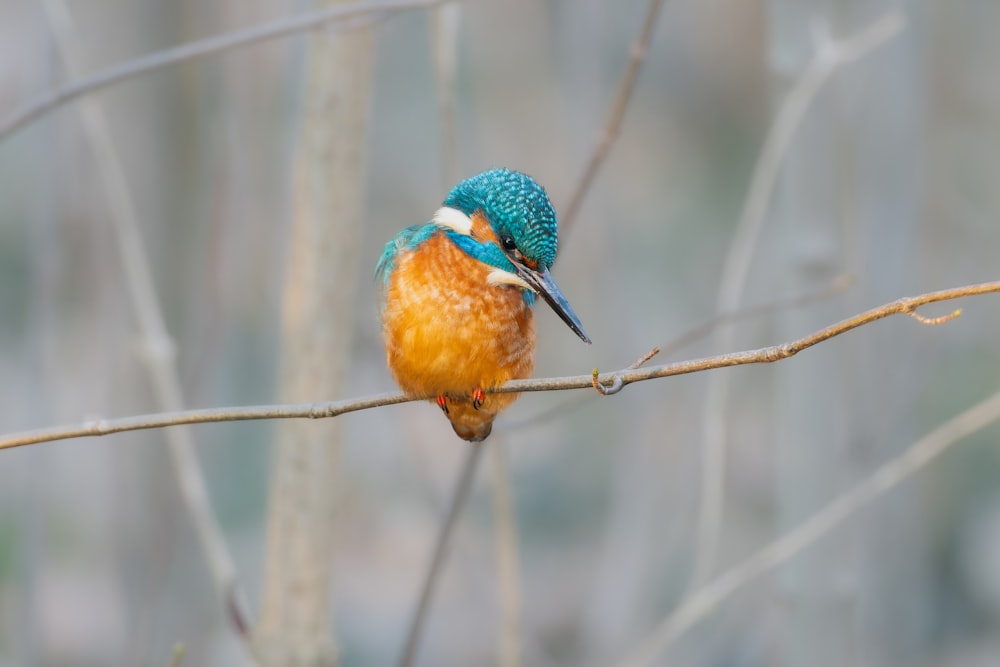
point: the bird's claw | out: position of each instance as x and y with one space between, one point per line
478 396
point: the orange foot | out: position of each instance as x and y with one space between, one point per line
478 396
443 403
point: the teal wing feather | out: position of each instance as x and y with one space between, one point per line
406 239
387 262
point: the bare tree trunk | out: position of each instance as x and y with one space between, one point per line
296 618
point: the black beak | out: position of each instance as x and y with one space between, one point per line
542 282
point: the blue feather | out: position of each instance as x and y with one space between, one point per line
515 205
406 239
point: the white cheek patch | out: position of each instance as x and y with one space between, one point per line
453 219
501 277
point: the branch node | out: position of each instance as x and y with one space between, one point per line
95 426
779 352
617 384
178 655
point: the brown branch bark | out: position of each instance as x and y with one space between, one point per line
612 381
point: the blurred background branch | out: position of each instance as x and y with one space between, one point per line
736 267
156 348
707 598
323 258
214 45
616 116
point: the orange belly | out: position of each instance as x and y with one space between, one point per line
448 331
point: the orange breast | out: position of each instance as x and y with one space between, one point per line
448 331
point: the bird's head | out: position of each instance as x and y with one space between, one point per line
505 219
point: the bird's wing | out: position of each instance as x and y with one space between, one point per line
406 239
386 263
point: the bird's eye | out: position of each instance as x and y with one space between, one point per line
508 243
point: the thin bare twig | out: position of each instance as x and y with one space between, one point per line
472 455
212 45
764 355
614 123
699 331
697 606
829 57
693 334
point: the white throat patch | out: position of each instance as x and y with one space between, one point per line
501 277
453 219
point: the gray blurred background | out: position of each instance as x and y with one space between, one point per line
891 177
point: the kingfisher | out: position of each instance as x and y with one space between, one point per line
458 295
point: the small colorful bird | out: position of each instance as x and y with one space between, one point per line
458 293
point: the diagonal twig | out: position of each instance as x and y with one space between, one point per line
211 45
691 335
614 123
829 57
703 601
157 350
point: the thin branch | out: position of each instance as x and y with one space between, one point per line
699 331
764 355
98 426
212 45
472 455
706 599
693 334
614 123
828 58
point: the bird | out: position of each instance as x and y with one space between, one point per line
458 294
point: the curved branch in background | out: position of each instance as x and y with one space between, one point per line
829 57
764 355
614 123
707 598
212 45
158 354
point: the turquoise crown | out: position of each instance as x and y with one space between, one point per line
514 204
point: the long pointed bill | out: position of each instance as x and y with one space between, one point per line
542 282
